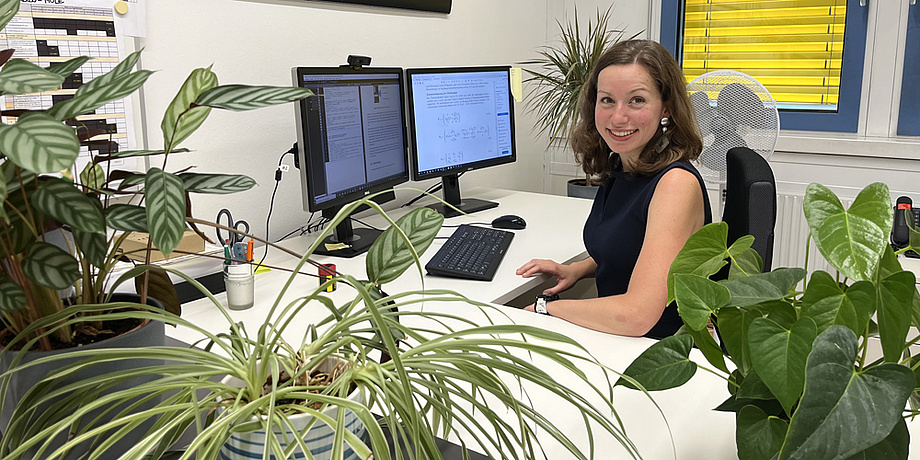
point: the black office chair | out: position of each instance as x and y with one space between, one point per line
750 201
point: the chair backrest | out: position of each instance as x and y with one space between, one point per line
750 201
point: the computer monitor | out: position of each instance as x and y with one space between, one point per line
351 143
460 119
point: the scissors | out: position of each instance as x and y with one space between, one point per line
239 225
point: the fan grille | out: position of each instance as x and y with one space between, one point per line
733 110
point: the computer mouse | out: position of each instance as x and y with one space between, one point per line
509 221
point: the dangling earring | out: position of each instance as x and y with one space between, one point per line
663 140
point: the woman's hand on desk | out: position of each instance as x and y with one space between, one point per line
566 275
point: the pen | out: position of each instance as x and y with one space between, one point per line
250 247
226 254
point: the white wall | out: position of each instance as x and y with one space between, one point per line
258 42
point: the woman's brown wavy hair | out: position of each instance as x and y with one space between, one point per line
593 154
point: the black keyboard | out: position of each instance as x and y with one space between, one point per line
471 252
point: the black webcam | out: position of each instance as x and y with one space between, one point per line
358 61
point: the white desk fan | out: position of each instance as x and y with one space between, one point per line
733 110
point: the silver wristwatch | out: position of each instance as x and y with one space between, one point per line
542 299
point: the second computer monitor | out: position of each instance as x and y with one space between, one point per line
460 119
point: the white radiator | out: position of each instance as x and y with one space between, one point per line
791 235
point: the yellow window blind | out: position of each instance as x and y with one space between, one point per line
793 47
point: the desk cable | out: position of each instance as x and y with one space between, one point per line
271 205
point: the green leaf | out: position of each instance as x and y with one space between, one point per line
160 287
895 447
755 389
8 9
779 356
746 264
389 256
119 71
851 240
135 153
216 183
844 411
49 266
758 435
763 287
19 76
180 119
703 254
95 246
827 303
66 68
39 143
12 296
710 349
733 324
93 176
165 209
895 294
59 199
3 191
126 217
85 101
664 365
698 298
244 97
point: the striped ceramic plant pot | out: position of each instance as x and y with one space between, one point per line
319 440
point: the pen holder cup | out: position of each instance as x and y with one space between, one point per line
240 284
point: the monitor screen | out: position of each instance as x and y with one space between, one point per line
351 134
460 118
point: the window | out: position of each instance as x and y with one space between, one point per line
808 53
909 116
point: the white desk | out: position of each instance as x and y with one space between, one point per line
553 231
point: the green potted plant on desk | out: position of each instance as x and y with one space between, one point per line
556 83
801 379
424 373
53 296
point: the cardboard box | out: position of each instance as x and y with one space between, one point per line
135 245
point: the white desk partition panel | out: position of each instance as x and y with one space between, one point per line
553 231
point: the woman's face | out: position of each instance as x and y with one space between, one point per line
629 109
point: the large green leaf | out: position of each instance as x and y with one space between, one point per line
244 97
895 447
39 143
216 183
895 295
64 69
698 298
758 435
708 346
12 296
95 246
664 365
19 76
3 191
8 9
763 287
50 266
180 119
59 199
93 176
827 303
844 411
126 217
121 70
851 240
87 101
389 256
165 209
754 388
733 324
703 254
746 264
779 356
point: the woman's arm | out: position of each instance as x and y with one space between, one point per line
675 213
566 275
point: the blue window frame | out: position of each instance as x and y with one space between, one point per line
846 117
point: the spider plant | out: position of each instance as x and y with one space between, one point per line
424 373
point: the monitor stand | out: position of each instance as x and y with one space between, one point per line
450 185
346 241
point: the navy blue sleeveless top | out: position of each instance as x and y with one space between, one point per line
615 230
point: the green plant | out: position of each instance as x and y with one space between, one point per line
39 279
439 372
562 71
800 379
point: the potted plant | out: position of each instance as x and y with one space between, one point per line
799 375
561 73
424 373
53 295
